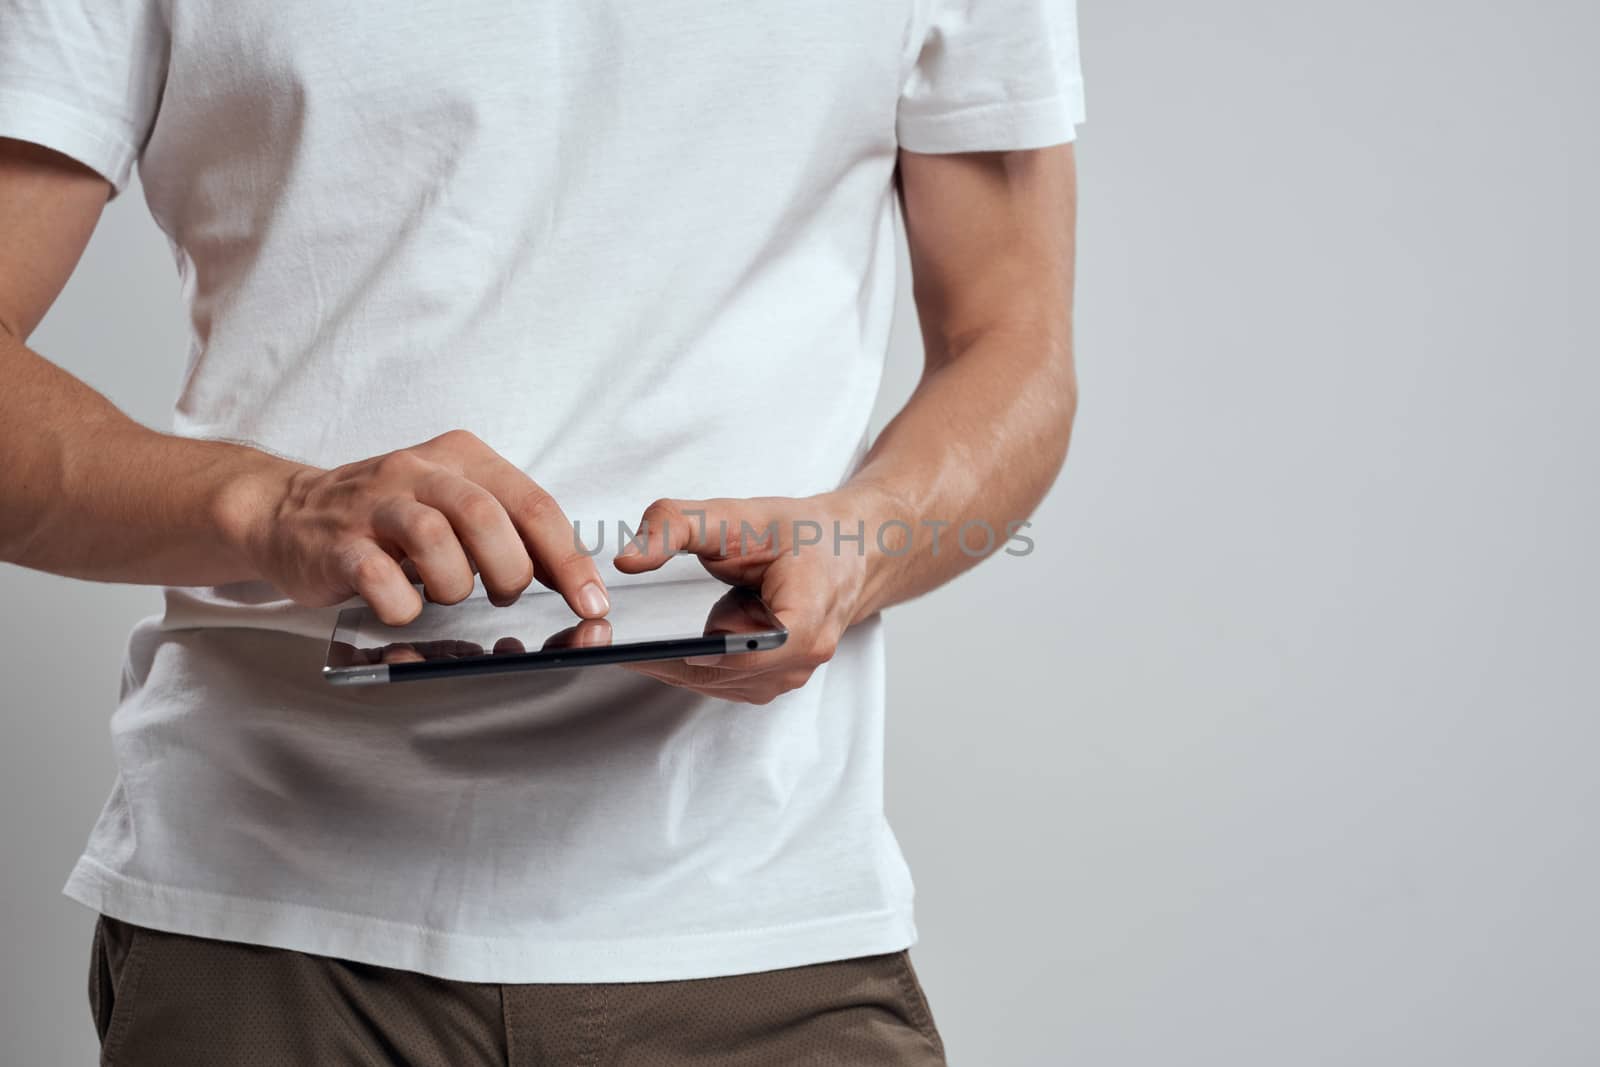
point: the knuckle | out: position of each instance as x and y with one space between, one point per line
430 530
480 510
662 519
460 438
365 567
664 508
401 463
535 504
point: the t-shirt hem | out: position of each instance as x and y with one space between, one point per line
473 958
51 123
1010 125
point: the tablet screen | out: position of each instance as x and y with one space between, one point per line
651 620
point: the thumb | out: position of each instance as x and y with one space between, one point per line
669 527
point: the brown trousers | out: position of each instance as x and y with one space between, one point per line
168 1000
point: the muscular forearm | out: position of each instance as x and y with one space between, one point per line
89 493
991 237
980 442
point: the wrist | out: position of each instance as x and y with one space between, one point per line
246 501
885 523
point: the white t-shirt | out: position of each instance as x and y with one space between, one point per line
620 240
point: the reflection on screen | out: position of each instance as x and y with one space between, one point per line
541 621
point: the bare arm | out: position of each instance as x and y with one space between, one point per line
980 440
87 492
986 432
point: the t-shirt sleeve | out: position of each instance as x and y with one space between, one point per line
83 77
993 75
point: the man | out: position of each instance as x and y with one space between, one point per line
459 273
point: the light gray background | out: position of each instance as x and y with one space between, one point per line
1281 749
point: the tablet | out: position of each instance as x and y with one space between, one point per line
647 621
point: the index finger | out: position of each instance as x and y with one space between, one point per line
558 561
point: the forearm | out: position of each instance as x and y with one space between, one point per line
980 442
89 493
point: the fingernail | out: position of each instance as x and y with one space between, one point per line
592 599
629 549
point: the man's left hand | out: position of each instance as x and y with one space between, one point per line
785 548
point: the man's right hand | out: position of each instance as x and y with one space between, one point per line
89 493
448 507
